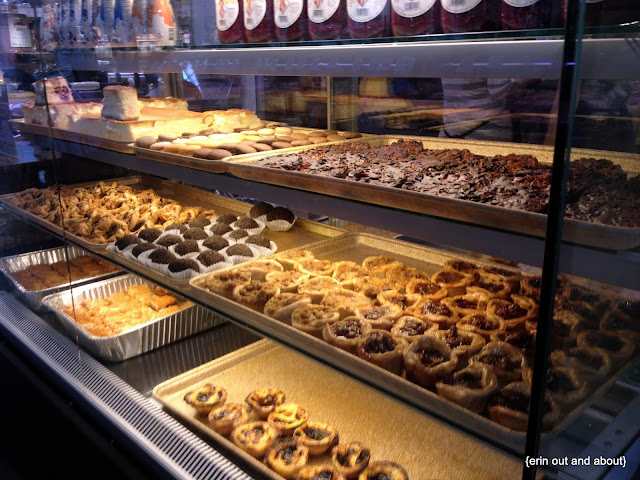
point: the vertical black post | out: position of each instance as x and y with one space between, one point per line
566 106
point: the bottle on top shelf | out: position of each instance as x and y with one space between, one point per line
290 20
230 21
369 18
526 14
459 16
258 21
415 17
327 19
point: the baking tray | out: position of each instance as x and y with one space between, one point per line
21 126
356 247
135 341
391 430
575 231
33 298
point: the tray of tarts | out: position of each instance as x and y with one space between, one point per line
35 275
263 403
126 316
500 185
449 335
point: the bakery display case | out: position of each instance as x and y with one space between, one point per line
314 239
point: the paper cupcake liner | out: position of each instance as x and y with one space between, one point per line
231 240
184 275
189 256
251 231
143 258
167 233
263 251
280 225
214 267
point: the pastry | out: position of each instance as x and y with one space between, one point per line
426 289
398 274
371 286
287 458
346 273
287 281
455 282
617 321
384 471
470 387
280 219
374 262
315 267
510 407
120 103
264 400
512 314
410 328
350 458
435 312
282 305
320 472
503 275
287 417
428 359
589 316
254 294
255 438
317 437
206 398
345 334
617 346
318 287
226 418
461 266
288 259
577 293
394 297
521 338
259 269
347 302
482 323
223 283
467 304
492 288
383 349
311 318
507 361
565 386
566 326
381 316
591 364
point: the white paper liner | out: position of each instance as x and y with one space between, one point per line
184 275
208 230
173 231
280 225
214 267
190 255
236 259
167 233
231 240
250 231
263 251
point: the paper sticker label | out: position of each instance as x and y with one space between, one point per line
227 12
254 11
365 10
459 6
412 8
520 3
286 12
322 10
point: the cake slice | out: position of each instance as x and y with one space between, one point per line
54 90
157 102
120 103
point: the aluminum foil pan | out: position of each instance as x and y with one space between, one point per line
33 298
135 341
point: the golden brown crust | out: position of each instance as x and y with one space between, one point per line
426 289
381 316
428 359
384 470
436 312
507 361
224 282
467 303
254 294
318 287
316 436
470 387
287 417
406 302
287 281
350 458
287 458
264 400
411 328
311 318
206 398
482 323
255 438
455 282
315 267
226 418
320 472
383 349
347 302
345 334
282 305
464 344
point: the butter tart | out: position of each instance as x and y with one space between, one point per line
371 286
316 436
315 267
530 286
287 417
592 364
312 318
589 316
255 438
410 328
462 266
507 361
617 321
347 302
426 289
381 316
287 458
384 470
467 303
405 301
254 294
259 269
264 400
320 472
470 387
510 407
525 302
492 288
223 283
399 275
282 305
346 273
565 386
618 346
383 349
206 398
287 281
376 261
511 313
318 287
578 293
436 312
455 282
350 458
503 275
521 338
482 323
464 344
289 258
345 334
429 359
226 418
566 326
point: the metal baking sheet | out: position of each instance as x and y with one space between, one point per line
356 247
42 130
575 231
33 298
137 340
390 429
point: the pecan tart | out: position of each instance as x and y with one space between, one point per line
289 258
254 294
312 318
260 268
511 313
347 302
264 400
315 267
464 344
255 438
470 387
482 323
371 286
405 301
435 312
374 262
467 303
287 281
381 316
399 275
346 273
287 417
462 266
226 418
428 359
502 275
410 328
510 407
350 458
206 398
492 288
455 282
224 282
384 470
592 364
565 386
530 286
320 472
618 346
287 458
316 436
318 287
383 349
426 289
282 305
507 361
345 334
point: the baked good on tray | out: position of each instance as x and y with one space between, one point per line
255 438
350 458
318 437
226 418
384 470
206 398
287 458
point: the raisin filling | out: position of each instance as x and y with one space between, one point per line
412 328
482 322
345 458
287 453
379 476
401 301
511 311
593 361
427 288
608 342
257 433
449 277
350 329
375 313
379 343
436 309
454 340
513 400
492 287
315 433
462 266
461 303
499 360
430 359
464 379
519 338
499 271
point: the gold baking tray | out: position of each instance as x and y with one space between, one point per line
575 231
43 130
356 247
391 430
